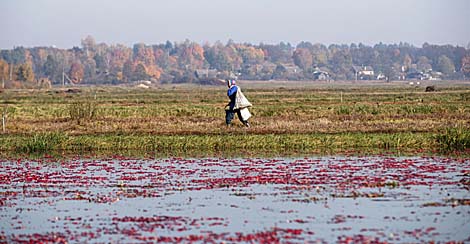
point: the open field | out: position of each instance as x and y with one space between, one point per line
288 118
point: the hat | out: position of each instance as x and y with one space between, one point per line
231 82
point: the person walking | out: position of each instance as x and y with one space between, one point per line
238 104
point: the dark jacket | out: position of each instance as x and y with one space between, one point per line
232 93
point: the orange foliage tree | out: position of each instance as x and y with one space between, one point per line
250 54
76 72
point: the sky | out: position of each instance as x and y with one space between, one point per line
63 23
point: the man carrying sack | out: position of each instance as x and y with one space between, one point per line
238 104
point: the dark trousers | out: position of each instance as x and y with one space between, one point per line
229 114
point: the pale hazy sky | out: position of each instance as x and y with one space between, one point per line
64 23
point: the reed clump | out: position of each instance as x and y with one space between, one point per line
83 111
42 142
454 139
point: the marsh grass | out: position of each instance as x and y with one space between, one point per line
42 142
215 144
454 139
191 118
83 111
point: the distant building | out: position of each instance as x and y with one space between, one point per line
432 75
265 66
205 73
210 76
321 75
381 76
428 75
290 68
363 72
415 76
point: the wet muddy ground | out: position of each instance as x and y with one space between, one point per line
317 199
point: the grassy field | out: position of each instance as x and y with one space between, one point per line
287 118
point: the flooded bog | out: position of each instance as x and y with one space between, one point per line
318 199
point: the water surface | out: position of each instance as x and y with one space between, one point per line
318 199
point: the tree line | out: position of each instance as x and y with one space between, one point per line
100 63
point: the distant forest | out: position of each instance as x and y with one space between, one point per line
190 62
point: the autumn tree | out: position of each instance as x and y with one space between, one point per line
250 54
423 64
363 55
190 55
281 53
128 71
341 62
466 66
445 65
153 72
140 72
280 72
115 59
17 56
51 68
39 57
76 72
320 55
303 58
217 56
162 57
235 61
407 61
101 63
4 70
143 54
25 72
89 45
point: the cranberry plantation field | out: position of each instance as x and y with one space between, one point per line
316 199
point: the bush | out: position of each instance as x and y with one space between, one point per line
42 142
82 111
342 110
454 139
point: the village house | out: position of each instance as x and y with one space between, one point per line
321 75
363 72
381 76
433 75
266 65
290 68
417 75
209 76
428 75
205 73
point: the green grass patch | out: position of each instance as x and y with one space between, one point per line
281 144
454 139
41 142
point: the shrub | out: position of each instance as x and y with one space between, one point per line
42 142
454 139
341 110
83 111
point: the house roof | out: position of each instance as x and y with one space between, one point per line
357 68
318 72
205 73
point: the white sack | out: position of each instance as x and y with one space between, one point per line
241 101
245 113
